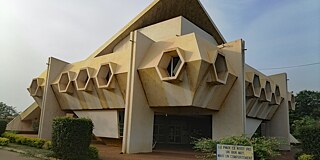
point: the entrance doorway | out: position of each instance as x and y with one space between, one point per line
173 130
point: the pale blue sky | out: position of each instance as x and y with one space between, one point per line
277 33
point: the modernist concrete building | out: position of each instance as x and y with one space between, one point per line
167 76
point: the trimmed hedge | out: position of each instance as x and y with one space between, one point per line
32 142
3 126
4 141
71 137
93 153
310 139
47 145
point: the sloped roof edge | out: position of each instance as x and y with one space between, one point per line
161 10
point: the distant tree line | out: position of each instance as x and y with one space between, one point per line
7 112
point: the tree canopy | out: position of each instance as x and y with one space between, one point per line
308 104
7 111
307 112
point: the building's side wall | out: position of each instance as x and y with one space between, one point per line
278 126
18 125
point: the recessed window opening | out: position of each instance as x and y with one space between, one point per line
256 83
173 66
86 80
108 76
63 81
277 92
221 66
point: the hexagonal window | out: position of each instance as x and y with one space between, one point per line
256 85
105 75
268 91
220 68
276 97
170 64
65 84
35 89
277 94
83 80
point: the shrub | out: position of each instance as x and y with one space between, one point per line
47 145
71 137
32 142
310 139
11 136
3 126
303 122
93 153
305 157
4 141
263 148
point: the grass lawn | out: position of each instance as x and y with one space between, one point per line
29 151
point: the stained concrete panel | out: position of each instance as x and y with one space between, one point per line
106 123
251 126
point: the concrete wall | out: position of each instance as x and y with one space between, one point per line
138 131
106 123
50 106
278 126
18 125
230 119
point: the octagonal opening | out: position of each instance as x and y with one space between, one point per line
221 68
82 79
104 76
170 65
63 81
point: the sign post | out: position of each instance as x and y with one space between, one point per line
234 152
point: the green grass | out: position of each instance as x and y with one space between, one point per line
31 151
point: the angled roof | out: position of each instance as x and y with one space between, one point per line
161 10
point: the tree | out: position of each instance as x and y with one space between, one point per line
7 111
307 112
308 104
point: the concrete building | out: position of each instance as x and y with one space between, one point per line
167 76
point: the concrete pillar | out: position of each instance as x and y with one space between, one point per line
230 119
50 106
138 125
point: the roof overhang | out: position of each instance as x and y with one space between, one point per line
161 10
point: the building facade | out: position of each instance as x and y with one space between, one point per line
167 77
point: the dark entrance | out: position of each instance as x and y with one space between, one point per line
180 130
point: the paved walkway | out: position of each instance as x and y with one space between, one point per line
7 155
111 152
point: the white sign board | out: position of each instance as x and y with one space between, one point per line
234 152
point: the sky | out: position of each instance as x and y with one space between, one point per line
277 34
